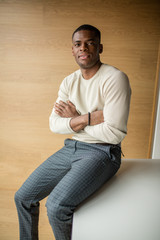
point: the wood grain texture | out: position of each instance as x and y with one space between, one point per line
35 56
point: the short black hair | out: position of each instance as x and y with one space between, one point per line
89 28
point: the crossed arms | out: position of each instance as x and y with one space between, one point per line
77 122
107 125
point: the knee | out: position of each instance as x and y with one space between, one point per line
57 211
17 197
52 209
20 197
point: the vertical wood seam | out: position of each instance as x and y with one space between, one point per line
154 109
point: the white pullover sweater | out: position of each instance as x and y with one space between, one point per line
108 90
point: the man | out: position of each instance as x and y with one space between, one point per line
93 105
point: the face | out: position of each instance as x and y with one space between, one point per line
86 49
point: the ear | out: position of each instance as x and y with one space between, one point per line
100 48
72 51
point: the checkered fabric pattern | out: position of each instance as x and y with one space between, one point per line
68 177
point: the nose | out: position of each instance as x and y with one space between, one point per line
84 47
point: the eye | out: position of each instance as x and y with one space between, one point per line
90 43
77 44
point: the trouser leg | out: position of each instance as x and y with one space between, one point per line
39 185
91 168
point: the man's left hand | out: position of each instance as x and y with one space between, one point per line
66 110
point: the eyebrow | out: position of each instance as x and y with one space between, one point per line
91 39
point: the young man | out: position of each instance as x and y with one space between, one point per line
93 105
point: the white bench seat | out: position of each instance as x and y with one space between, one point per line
125 208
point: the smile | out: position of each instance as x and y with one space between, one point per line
84 56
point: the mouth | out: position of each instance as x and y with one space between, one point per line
83 56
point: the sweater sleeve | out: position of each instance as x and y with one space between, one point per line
116 92
58 124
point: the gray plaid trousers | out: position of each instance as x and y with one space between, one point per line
68 177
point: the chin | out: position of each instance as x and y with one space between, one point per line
85 65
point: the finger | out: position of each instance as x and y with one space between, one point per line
55 104
59 106
70 103
58 109
62 103
58 112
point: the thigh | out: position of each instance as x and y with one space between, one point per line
42 181
90 170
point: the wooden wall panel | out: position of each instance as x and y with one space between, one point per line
35 55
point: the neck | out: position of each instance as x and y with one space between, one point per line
90 72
